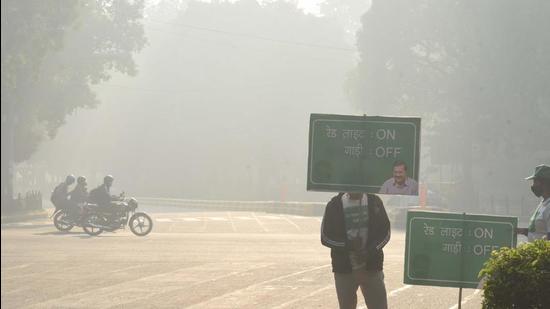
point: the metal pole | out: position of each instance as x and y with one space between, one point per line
459 297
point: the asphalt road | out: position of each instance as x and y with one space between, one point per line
193 260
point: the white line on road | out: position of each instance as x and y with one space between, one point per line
231 221
330 286
16 267
391 294
467 299
124 269
259 223
401 289
292 223
204 222
252 286
227 275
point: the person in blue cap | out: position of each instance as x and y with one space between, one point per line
539 225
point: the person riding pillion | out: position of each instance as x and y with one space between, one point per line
539 224
60 194
79 194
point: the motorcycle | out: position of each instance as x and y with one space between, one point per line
65 219
122 213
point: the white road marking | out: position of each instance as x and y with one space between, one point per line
467 299
16 267
217 219
292 223
391 294
124 269
103 297
328 287
244 218
204 222
231 221
252 286
401 289
260 223
233 273
271 217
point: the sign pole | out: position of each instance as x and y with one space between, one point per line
461 261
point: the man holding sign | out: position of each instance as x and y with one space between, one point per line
356 228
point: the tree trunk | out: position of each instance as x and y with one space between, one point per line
8 125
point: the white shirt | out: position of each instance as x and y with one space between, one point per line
541 221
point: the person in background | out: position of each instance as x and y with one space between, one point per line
539 225
356 227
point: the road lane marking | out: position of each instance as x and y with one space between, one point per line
55 302
292 223
217 219
391 294
204 222
271 217
244 218
16 267
252 286
124 269
260 223
233 273
231 221
330 286
467 299
401 289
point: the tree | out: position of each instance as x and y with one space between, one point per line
52 53
476 72
220 109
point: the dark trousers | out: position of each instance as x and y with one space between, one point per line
371 283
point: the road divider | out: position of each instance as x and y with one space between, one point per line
294 208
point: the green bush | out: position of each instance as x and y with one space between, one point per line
518 277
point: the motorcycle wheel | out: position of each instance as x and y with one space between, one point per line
61 223
140 224
89 221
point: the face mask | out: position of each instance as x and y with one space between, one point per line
537 190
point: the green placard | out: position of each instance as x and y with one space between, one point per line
449 249
358 153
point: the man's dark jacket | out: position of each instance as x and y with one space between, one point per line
333 234
79 194
101 196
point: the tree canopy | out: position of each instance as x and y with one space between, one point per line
475 71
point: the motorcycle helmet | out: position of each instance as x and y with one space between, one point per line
108 180
70 179
81 180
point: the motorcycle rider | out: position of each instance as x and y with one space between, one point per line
78 196
80 192
60 194
102 194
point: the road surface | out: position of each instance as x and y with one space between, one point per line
193 260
